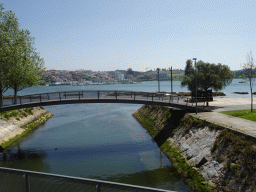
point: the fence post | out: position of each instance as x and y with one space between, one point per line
98 187
60 96
26 182
98 94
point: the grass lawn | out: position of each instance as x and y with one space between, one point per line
245 114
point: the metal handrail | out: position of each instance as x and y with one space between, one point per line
64 95
98 183
43 99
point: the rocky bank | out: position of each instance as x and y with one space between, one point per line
226 160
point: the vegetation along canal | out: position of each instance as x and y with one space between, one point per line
100 141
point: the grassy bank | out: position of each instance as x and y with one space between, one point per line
245 114
154 119
29 128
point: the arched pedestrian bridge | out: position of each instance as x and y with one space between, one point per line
99 96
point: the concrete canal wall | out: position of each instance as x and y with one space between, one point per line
209 156
18 123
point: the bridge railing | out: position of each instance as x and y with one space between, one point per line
88 94
22 180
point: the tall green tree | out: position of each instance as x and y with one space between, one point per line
26 65
8 27
215 76
249 73
20 64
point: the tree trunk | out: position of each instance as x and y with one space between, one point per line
15 95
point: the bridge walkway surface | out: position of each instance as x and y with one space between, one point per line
235 123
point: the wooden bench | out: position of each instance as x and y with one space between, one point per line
202 96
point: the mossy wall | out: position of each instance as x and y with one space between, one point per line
233 153
161 122
28 128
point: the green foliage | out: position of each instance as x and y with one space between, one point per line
215 146
220 159
14 114
88 78
24 114
29 110
20 64
209 75
7 116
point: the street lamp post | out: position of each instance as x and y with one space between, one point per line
171 80
171 83
158 79
196 82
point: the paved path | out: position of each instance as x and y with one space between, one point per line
229 104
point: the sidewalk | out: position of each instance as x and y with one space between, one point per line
230 104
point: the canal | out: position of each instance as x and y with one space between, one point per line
99 141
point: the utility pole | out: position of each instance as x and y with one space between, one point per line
158 79
171 80
196 82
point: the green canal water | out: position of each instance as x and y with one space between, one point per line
99 141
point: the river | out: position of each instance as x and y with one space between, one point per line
100 141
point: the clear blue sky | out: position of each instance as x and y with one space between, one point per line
138 34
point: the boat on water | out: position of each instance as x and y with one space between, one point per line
58 84
242 81
81 84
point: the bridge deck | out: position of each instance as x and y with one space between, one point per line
71 97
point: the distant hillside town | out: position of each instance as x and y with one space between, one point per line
86 77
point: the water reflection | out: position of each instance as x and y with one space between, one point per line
32 158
